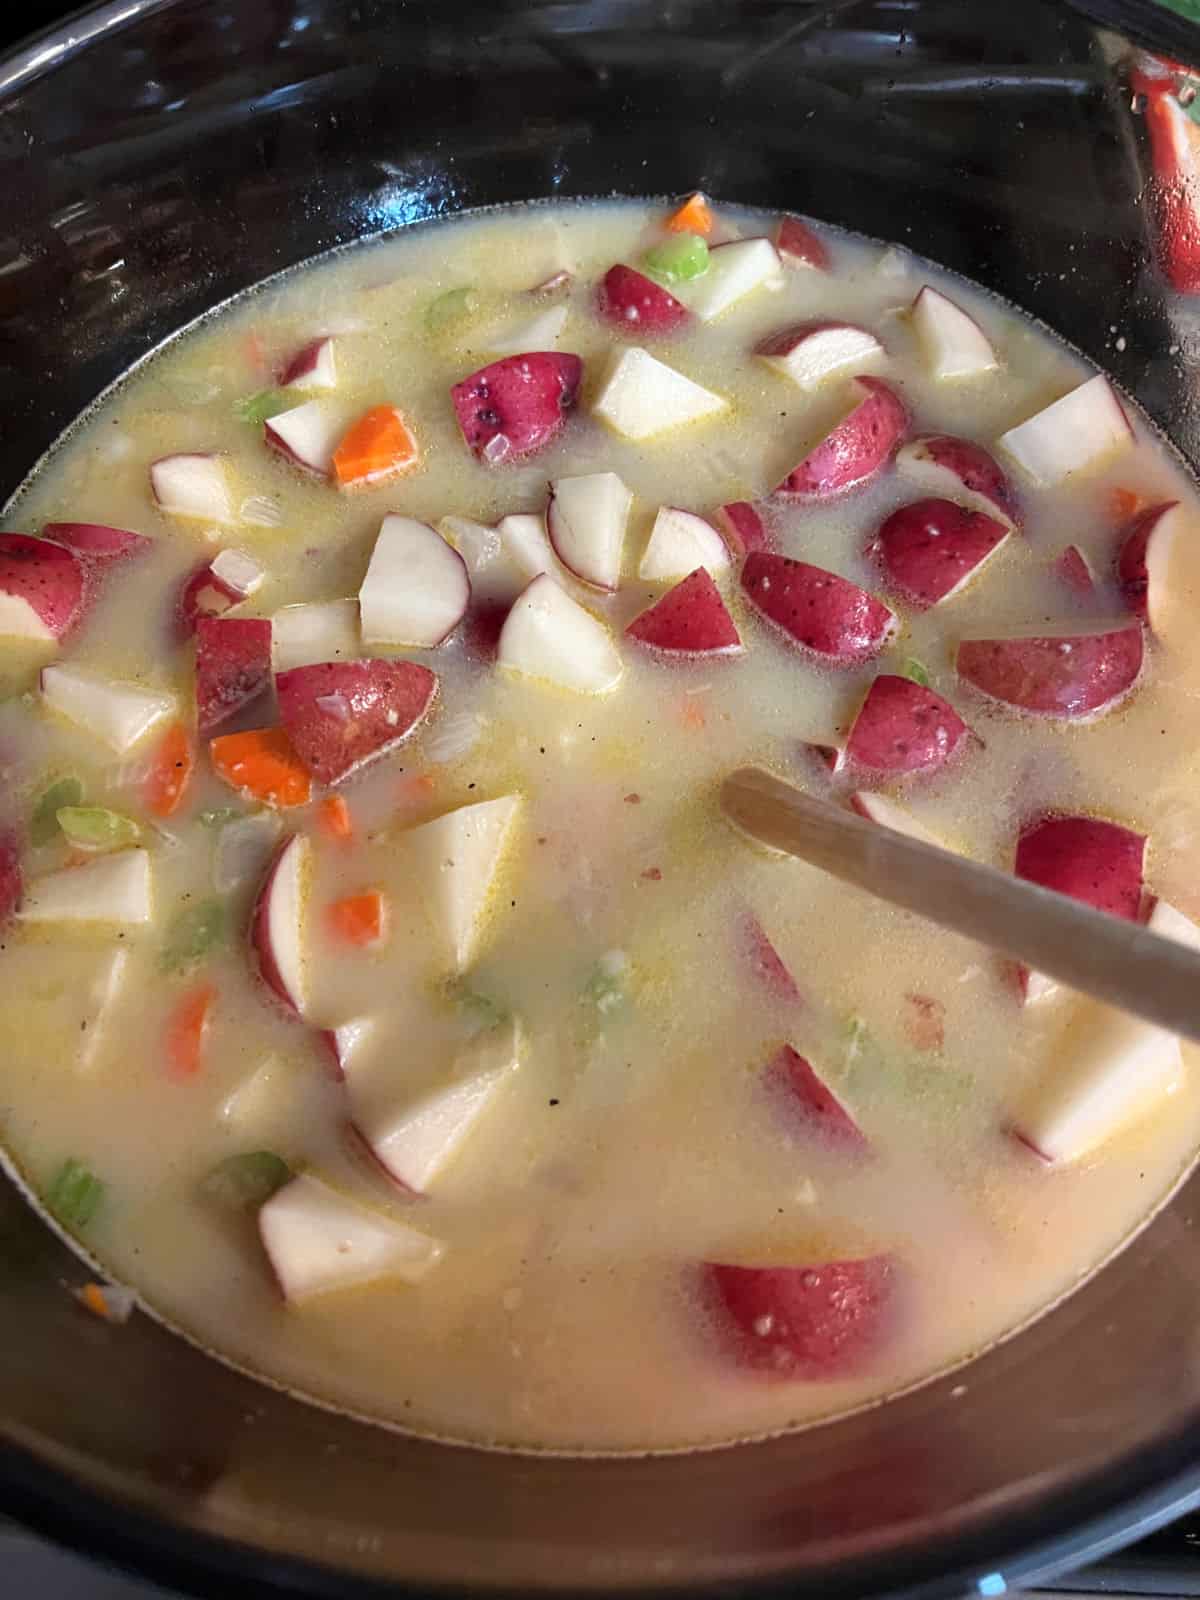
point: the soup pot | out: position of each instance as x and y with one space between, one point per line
161 155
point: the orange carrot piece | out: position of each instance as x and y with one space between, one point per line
262 763
378 446
1123 503
333 814
693 216
92 1296
185 1031
358 919
170 773
693 715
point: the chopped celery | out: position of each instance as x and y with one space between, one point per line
450 307
606 985
43 826
256 408
218 818
479 1010
678 259
75 1195
194 934
95 828
858 1036
246 1181
914 669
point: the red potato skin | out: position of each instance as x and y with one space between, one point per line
327 1043
822 612
482 626
742 527
629 300
11 881
1072 567
765 961
1132 576
853 452
233 667
203 594
797 242
784 340
809 1323
975 469
1037 676
791 1077
51 578
522 400
1172 190
903 728
301 362
260 939
378 704
690 619
96 542
929 548
1097 862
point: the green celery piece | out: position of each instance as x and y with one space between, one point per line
245 1182
194 934
43 826
479 1010
683 257
914 669
256 408
450 307
96 828
218 818
75 1195
605 988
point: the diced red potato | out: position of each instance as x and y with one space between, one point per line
855 450
792 1077
349 1039
735 269
681 541
811 352
902 728
340 714
318 1240
456 859
121 714
516 406
416 590
277 923
482 628
96 543
818 1321
203 594
1074 434
1098 862
193 486
819 610
1075 570
953 343
690 619
743 527
629 300
765 962
548 635
10 874
1109 1070
313 366
308 435
585 522
931 549
800 245
830 758
414 1141
1070 674
1144 557
1176 180
539 332
880 809
642 396
43 589
233 667
115 889
239 571
951 468
557 283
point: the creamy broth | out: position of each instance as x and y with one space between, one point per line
640 1135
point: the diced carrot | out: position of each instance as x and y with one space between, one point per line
92 1296
185 1031
333 814
693 715
358 919
693 216
378 446
262 763
1123 503
170 772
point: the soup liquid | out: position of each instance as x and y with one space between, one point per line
637 1139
